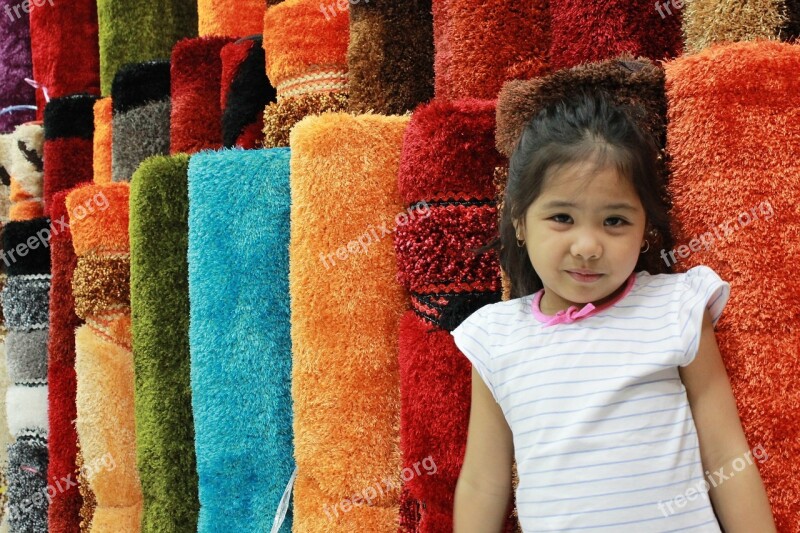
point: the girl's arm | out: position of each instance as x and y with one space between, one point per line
736 489
483 490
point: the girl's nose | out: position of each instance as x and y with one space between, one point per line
586 246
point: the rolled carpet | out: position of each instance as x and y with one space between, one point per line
342 192
159 230
103 360
219 17
25 299
141 116
740 196
26 147
68 133
306 58
64 45
245 92
636 83
446 180
487 43
585 32
101 141
708 22
135 31
65 505
390 56
238 345
195 77
15 66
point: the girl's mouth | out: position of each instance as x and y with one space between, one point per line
584 278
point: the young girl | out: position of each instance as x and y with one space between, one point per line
603 381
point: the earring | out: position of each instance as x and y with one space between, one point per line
520 243
648 247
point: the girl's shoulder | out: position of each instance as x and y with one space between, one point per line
690 280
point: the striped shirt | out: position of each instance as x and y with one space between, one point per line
604 438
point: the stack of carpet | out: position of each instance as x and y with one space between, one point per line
103 359
68 132
25 300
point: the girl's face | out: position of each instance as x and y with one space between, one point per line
585 221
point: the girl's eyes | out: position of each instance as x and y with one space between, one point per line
617 222
622 222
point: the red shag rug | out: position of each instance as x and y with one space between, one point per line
734 136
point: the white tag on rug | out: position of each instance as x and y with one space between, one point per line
283 506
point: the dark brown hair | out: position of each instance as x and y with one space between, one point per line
586 126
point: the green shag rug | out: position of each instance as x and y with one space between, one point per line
159 229
133 31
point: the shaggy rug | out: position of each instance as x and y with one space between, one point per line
390 56
446 174
345 307
15 66
68 133
708 22
135 31
306 59
733 116
585 32
141 116
103 359
481 44
103 134
239 334
196 75
25 300
245 93
159 230
26 168
221 17
64 46
65 505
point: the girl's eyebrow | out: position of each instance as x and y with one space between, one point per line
553 204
